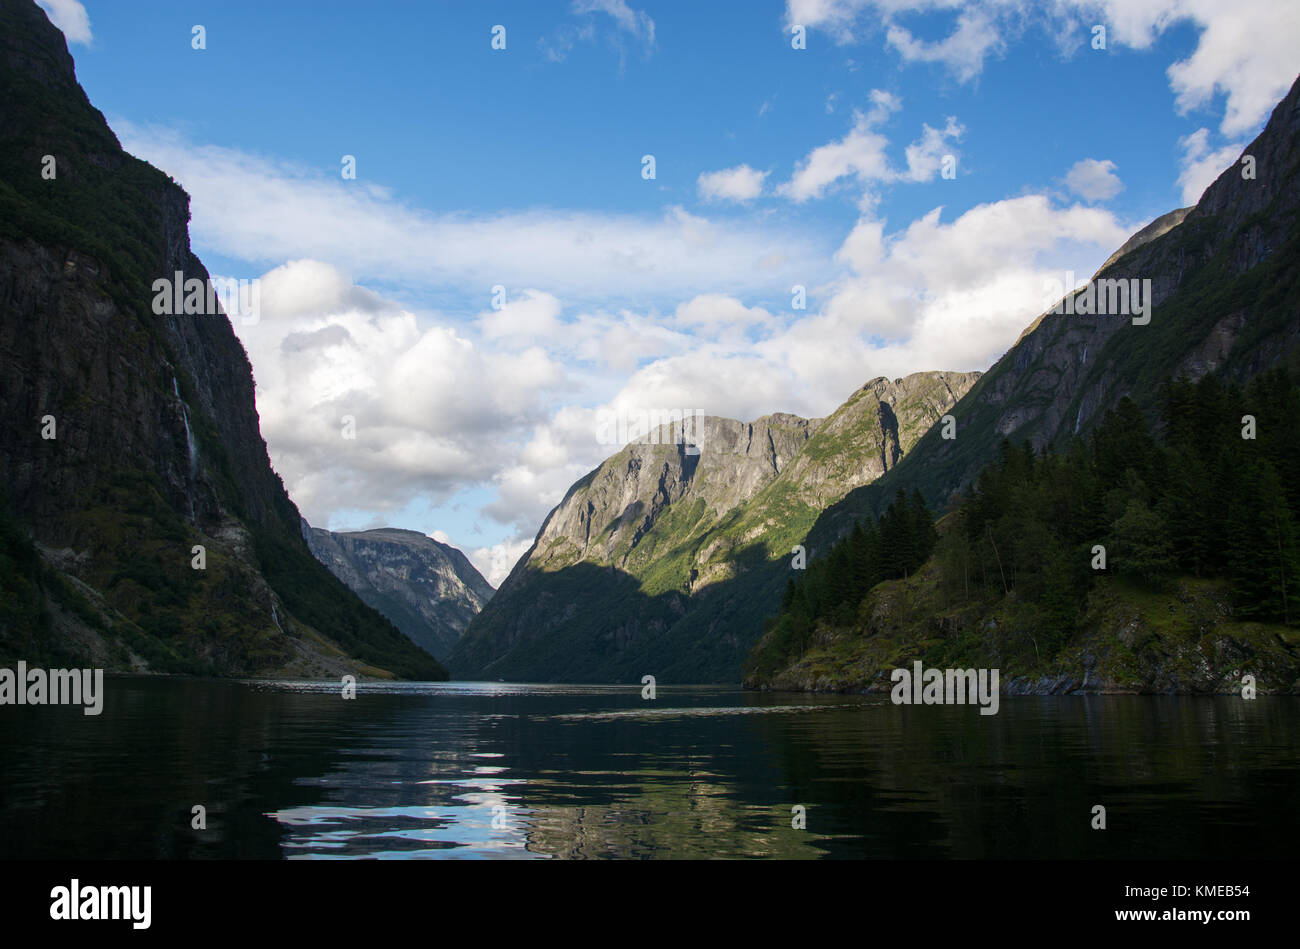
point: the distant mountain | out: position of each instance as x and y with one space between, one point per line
660 560
129 438
429 590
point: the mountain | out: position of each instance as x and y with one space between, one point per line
128 439
1144 423
429 590
665 559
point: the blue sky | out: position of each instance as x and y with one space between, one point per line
522 168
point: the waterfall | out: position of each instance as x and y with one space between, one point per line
189 441
189 435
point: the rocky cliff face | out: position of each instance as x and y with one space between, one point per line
640 567
429 590
127 439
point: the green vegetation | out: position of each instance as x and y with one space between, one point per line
1119 528
831 589
316 596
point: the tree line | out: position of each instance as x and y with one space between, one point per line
1212 490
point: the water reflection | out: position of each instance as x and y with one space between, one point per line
505 771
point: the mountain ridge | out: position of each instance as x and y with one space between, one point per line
427 589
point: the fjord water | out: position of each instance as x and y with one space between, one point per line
482 770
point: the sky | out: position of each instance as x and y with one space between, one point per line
483 231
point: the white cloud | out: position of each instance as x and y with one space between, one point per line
633 23
503 403
715 309
925 156
1245 49
964 51
836 17
495 562
532 315
70 17
1094 180
636 22
434 411
936 295
741 183
265 212
861 155
956 295
1200 165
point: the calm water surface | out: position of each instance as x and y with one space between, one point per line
289 770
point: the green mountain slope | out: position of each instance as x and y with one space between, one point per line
1127 563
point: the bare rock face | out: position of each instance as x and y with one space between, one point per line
723 464
129 439
429 590
662 558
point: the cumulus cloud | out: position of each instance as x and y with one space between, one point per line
70 17
861 155
956 295
963 51
741 183
433 410
531 315
1094 180
496 562
503 405
1200 164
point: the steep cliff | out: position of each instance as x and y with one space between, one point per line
429 590
665 558
128 439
